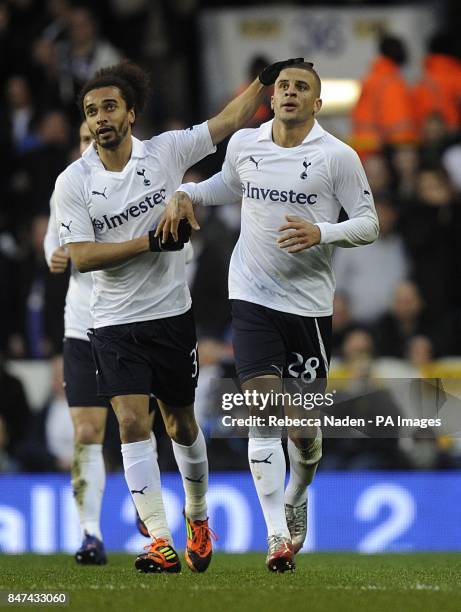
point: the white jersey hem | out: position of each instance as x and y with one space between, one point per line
288 310
151 317
76 335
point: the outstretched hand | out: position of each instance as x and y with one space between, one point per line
300 234
179 207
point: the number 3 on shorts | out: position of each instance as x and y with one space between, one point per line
194 356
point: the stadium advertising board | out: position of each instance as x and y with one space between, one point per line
379 512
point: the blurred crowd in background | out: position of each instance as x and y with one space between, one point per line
397 308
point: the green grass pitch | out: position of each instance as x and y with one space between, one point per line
340 582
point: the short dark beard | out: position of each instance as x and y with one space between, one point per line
119 136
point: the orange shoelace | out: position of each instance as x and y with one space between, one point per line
158 542
201 534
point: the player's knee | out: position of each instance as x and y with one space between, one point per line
182 430
132 428
88 433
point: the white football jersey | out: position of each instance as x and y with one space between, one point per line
77 317
312 181
96 205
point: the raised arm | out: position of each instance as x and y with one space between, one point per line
242 108
237 113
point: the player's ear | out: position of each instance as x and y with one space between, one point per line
272 102
131 116
317 106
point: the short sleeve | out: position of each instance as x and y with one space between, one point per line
72 216
187 147
51 241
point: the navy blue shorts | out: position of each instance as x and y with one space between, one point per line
268 341
150 357
80 375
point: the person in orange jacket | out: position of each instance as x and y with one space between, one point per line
439 90
383 114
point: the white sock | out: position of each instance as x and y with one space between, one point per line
193 466
88 482
303 466
153 439
142 475
268 467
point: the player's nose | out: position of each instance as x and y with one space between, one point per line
290 91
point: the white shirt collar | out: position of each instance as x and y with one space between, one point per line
138 150
265 131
